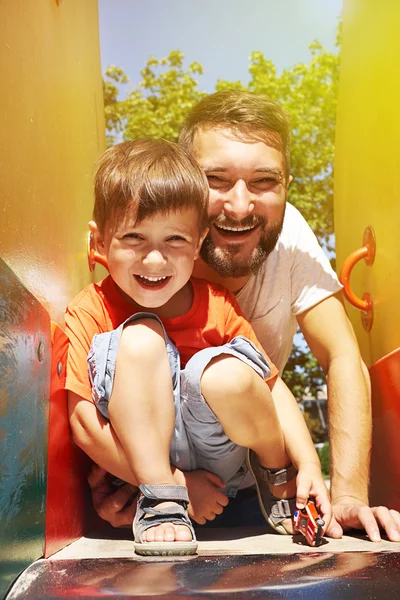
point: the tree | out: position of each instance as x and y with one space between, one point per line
308 93
159 105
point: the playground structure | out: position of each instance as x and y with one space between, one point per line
53 130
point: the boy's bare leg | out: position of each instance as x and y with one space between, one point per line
243 404
142 414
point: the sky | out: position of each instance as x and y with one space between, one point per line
219 34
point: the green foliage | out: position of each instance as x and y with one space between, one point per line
303 371
158 106
318 434
324 459
115 112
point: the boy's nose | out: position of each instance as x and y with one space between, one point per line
239 203
154 257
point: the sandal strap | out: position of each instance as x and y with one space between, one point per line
281 509
278 476
147 516
177 493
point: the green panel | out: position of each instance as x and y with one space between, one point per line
25 348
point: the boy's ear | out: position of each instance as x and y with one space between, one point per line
201 240
97 238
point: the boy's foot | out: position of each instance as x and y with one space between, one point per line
167 532
161 525
276 490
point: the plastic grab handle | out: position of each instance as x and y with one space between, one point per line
367 252
93 256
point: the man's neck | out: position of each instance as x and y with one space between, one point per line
204 271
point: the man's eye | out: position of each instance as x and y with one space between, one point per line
216 181
266 182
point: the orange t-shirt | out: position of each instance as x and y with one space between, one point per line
214 319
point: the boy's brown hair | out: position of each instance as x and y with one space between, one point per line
251 117
150 177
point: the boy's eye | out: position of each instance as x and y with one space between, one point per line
132 236
176 238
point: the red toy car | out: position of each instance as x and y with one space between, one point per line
309 523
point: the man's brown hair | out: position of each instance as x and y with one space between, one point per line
252 117
150 177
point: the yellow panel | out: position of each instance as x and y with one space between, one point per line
368 163
52 130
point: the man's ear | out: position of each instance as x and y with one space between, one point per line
290 179
201 240
98 239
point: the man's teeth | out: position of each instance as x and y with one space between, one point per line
152 278
236 228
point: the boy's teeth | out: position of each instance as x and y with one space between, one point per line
235 228
152 278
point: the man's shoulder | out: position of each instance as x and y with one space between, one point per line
293 224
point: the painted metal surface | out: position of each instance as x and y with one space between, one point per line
385 459
67 466
367 164
52 127
362 575
367 193
25 350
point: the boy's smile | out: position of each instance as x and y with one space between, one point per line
152 261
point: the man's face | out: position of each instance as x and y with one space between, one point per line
248 192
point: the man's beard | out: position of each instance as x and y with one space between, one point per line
228 261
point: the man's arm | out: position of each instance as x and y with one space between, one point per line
330 336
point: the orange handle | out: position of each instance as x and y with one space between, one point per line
367 252
344 277
93 256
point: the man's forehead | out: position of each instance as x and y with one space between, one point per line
213 146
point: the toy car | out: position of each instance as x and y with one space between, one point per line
309 523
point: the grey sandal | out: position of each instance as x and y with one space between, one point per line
275 510
147 516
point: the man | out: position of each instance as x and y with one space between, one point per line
261 249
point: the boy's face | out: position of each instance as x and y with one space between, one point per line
152 261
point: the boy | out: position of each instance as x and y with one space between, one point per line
149 320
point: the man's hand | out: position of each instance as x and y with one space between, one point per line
206 499
351 514
115 505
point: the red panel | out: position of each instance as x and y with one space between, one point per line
67 466
385 464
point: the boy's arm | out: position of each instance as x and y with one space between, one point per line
301 451
95 436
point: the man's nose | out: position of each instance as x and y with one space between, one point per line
154 257
238 202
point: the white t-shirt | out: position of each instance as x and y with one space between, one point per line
296 276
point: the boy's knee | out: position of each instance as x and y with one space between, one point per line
229 376
143 339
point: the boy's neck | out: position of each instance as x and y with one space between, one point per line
177 306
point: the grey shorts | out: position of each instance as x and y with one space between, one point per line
198 441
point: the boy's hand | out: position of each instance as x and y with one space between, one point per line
310 483
206 498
